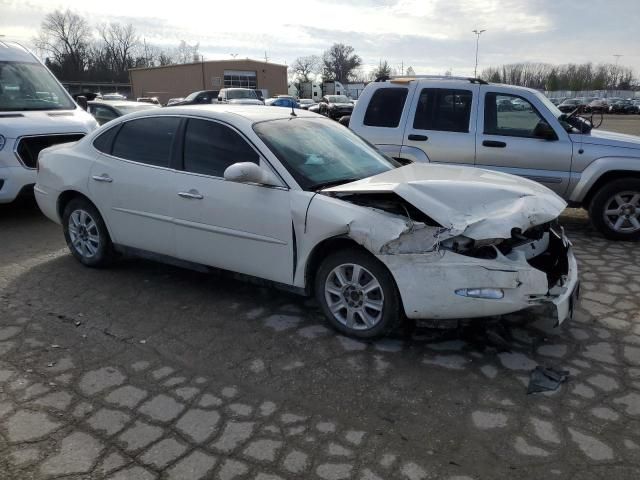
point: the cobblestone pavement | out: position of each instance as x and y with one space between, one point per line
147 371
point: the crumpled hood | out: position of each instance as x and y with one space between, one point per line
245 101
44 122
480 203
609 139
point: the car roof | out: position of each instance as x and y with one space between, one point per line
14 52
232 113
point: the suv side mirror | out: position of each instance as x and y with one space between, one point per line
249 172
81 100
543 130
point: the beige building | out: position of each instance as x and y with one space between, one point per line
175 81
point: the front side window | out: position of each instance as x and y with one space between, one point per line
319 153
385 107
28 86
147 140
509 115
445 110
210 147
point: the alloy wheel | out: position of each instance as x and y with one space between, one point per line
622 212
354 296
83 233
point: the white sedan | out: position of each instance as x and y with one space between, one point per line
304 203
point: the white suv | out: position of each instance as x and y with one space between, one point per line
35 113
512 129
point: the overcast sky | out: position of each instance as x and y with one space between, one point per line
431 35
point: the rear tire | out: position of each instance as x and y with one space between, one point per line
86 234
615 209
357 294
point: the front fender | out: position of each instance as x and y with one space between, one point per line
599 167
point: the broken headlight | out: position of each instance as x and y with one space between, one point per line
469 247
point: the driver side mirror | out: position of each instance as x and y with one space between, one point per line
248 172
81 100
543 130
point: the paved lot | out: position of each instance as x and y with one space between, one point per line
620 123
147 371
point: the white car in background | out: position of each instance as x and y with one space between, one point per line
35 112
302 202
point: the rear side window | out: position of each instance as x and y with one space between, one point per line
210 147
385 107
147 140
447 110
104 142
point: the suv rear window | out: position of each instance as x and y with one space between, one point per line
442 109
385 107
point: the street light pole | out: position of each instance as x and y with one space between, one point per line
477 33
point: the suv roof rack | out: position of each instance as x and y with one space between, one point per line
432 77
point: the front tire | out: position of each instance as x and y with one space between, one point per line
86 234
615 209
357 294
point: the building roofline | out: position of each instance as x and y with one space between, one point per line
231 60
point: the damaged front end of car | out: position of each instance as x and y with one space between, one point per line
492 259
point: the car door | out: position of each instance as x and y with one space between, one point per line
244 228
131 182
444 124
508 141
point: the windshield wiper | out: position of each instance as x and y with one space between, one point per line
332 183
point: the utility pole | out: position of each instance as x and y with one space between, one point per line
266 59
617 55
477 33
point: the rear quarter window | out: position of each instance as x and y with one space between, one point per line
385 107
104 141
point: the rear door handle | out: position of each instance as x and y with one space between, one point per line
418 138
191 194
494 144
102 178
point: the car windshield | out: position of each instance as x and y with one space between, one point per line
241 93
319 153
338 99
30 86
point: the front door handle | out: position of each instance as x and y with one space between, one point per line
191 194
418 138
494 144
102 178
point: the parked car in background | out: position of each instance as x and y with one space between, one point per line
152 100
314 108
335 106
36 112
636 103
105 111
569 105
282 102
598 105
305 103
113 96
305 203
175 101
417 120
259 94
239 96
201 97
622 107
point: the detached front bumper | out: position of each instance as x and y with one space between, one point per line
428 282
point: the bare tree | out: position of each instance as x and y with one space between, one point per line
410 71
66 38
340 62
186 53
303 67
120 41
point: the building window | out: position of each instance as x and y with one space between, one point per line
240 78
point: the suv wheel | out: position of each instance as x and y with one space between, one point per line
615 209
86 234
357 294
